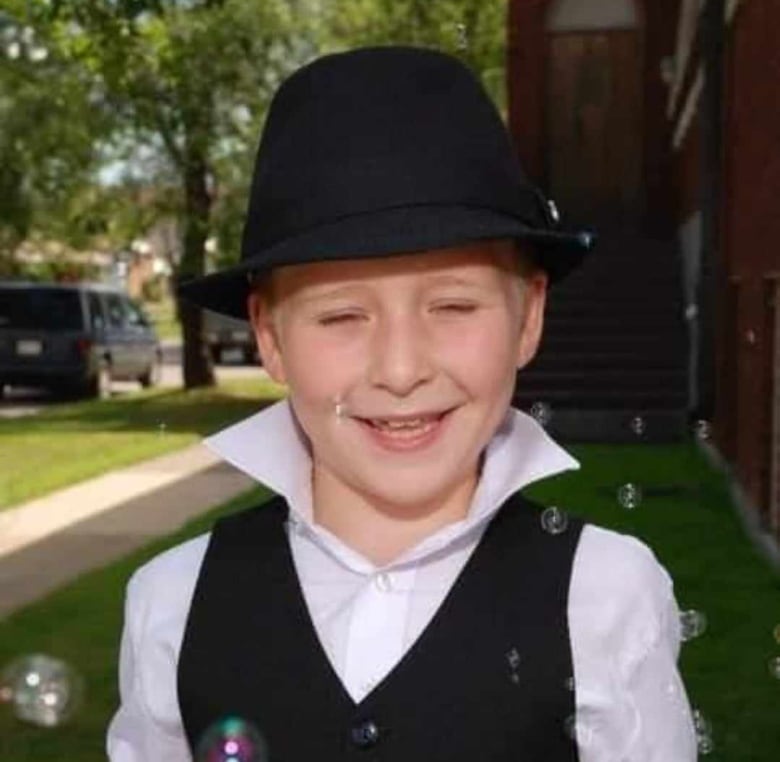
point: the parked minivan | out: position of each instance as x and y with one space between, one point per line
74 338
224 334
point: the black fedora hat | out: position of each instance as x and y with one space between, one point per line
379 151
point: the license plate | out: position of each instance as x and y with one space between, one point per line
29 347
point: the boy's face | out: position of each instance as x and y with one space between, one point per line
435 335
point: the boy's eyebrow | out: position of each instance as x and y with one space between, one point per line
324 292
443 279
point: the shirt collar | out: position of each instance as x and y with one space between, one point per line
271 447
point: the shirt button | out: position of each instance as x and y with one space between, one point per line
383 582
365 734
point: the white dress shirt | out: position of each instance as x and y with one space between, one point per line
631 705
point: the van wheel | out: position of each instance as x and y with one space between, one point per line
99 386
153 374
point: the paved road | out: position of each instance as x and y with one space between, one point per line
20 401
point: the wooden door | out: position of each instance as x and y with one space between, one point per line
594 126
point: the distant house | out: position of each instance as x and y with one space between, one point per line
659 121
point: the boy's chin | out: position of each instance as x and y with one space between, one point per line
411 496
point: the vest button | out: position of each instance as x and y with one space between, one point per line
365 734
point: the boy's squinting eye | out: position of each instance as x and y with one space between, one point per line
456 307
339 317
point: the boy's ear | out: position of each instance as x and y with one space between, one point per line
534 300
266 336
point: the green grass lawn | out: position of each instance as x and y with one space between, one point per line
686 518
68 443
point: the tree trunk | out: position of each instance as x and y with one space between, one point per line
196 360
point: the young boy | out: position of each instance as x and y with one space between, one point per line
399 599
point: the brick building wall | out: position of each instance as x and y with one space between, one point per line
751 238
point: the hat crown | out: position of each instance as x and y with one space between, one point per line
381 128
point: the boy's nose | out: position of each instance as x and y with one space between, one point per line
400 358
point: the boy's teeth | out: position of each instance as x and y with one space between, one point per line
412 423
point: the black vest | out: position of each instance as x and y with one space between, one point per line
488 680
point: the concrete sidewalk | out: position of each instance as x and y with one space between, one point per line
50 541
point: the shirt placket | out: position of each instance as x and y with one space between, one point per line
375 637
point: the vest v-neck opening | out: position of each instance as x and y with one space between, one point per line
304 614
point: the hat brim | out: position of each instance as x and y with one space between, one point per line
382 233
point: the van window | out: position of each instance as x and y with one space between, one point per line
96 319
114 310
133 314
40 309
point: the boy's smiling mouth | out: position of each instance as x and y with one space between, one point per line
406 432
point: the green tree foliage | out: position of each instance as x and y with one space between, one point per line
473 30
50 125
174 93
191 81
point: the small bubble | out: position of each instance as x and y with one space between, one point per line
702 725
692 624
578 730
513 657
629 495
776 634
705 744
340 408
637 425
554 520
231 739
774 667
41 690
702 429
541 412
162 428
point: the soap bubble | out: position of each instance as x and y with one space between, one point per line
542 412
340 408
629 495
41 690
703 729
705 744
774 667
554 520
701 723
162 428
702 429
637 425
692 624
232 739
776 634
578 730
